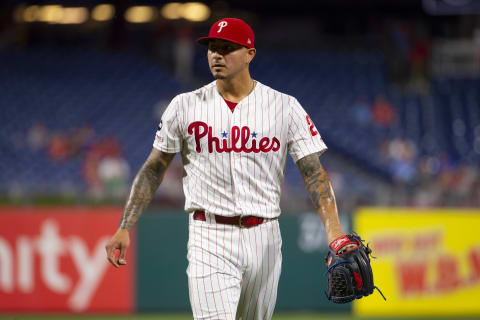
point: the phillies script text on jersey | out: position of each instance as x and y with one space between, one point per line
234 162
200 129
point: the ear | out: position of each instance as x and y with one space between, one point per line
250 55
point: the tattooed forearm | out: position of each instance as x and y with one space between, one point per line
320 189
316 180
144 186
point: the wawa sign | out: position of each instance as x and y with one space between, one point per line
427 261
53 259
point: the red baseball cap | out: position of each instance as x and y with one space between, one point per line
230 29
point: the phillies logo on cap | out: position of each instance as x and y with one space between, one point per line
238 31
222 24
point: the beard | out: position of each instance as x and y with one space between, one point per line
219 76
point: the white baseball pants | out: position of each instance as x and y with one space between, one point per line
233 272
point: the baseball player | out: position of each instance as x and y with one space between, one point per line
233 135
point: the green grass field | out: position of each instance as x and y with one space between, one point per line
176 316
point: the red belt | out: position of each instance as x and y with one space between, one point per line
241 221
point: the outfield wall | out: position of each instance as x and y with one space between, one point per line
428 261
162 263
53 259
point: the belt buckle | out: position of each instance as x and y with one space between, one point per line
240 222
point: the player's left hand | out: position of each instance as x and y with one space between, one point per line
349 271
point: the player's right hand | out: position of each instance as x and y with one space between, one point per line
119 241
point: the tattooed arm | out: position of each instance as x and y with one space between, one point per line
320 189
143 189
146 182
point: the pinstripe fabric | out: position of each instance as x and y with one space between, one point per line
233 272
201 126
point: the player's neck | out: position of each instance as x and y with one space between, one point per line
236 88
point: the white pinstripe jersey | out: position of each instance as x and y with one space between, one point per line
235 161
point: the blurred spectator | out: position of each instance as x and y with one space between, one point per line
38 136
90 174
59 147
383 113
81 138
475 194
361 111
170 191
427 194
105 171
402 154
114 174
62 145
419 60
462 183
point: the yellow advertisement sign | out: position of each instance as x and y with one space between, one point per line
427 261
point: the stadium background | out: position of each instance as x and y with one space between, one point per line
393 87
